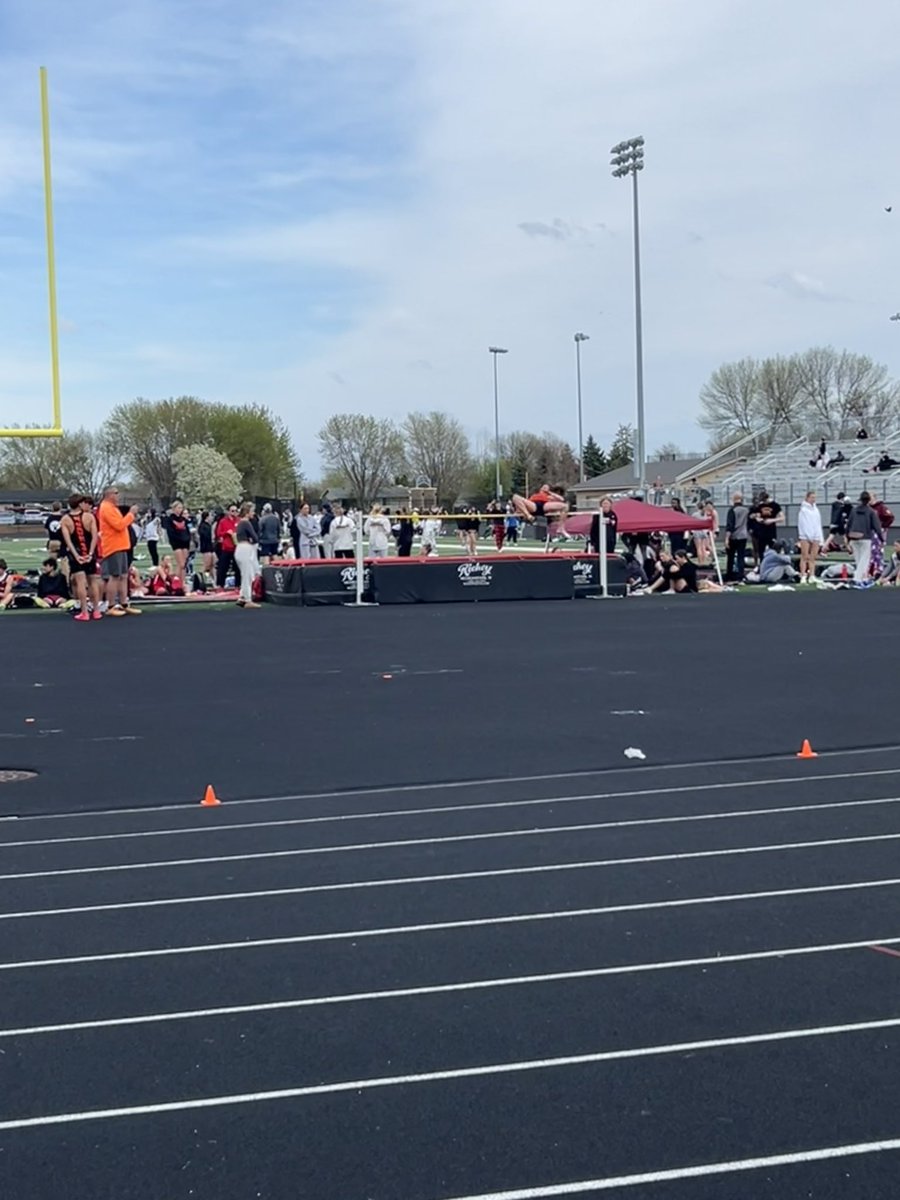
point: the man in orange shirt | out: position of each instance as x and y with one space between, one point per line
116 543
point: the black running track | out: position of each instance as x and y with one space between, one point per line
443 940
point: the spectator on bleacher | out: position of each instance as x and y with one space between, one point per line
836 461
809 531
863 527
885 463
765 517
736 534
861 434
820 462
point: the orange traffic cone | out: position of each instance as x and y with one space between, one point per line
806 750
210 799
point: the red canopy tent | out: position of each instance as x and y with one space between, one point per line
636 517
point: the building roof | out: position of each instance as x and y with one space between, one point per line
30 496
622 478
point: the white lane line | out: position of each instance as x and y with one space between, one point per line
207 829
610 1183
441 926
487 781
504 1068
440 989
439 841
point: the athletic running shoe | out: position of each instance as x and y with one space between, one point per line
84 616
97 614
131 611
115 612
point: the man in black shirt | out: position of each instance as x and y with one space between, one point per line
765 517
683 573
52 526
52 588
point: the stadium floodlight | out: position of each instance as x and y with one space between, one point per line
579 338
494 351
628 159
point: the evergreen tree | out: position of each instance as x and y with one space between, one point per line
621 452
594 459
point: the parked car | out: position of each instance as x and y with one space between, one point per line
33 516
7 518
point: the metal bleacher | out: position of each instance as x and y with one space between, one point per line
784 471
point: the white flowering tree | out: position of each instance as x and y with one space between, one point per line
204 478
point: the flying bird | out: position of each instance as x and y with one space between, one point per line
889 208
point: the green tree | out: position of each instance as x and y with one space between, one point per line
437 448
204 478
253 438
365 450
258 444
594 459
621 452
151 431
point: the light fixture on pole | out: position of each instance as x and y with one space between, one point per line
579 338
628 159
495 350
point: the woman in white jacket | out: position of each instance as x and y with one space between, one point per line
378 531
809 531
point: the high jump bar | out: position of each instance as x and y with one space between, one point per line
55 430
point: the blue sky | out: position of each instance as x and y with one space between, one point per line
339 206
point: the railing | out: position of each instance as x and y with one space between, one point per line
724 456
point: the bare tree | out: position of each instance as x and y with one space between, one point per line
79 461
365 450
729 401
436 447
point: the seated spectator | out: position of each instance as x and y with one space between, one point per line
861 434
683 573
885 463
135 583
635 575
163 581
52 587
776 566
890 574
660 580
836 461
6 585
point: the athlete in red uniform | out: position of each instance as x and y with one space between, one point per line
546 502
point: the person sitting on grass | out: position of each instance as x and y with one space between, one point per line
890 574
777 566
163 581
52 587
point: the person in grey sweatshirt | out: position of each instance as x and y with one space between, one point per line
777 566
269 533
736 534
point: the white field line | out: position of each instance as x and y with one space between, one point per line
441 926
475 985
705 1170
356 847
206 829
492 1069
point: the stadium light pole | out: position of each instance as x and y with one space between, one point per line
579 338
628 159
494 351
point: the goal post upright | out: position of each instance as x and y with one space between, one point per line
55 430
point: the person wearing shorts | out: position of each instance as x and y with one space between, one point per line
543 503
78 531
116 541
